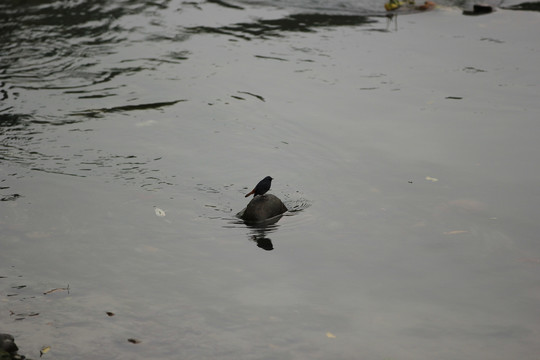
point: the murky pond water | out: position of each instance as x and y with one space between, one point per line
131 131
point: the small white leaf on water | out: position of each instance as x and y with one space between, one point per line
159 212
432 179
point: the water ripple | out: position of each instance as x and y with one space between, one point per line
99 112
306 22
59 48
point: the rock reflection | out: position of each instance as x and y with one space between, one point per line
259 231
263 243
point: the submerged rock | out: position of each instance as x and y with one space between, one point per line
7 343
8 348
530 6
479 9
262 208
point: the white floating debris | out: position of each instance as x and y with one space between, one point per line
159 212
432 179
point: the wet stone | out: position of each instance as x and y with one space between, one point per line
262 208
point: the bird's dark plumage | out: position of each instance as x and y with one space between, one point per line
262 187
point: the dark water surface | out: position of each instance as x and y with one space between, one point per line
130 132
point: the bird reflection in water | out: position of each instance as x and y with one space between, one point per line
259 231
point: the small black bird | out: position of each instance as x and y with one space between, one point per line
262 187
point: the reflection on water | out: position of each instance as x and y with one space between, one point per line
59 61
48 45
104 99
66 63
98 113
260 232
72 50
277 27
27 151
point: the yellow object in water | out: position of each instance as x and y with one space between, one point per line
393 5
44 350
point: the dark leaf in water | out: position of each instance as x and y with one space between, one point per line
134 341
12 197
254 95
226 4
124 108
270 58
12 313
56 289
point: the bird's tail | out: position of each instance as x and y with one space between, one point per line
251 192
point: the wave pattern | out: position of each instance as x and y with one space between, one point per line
66 63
